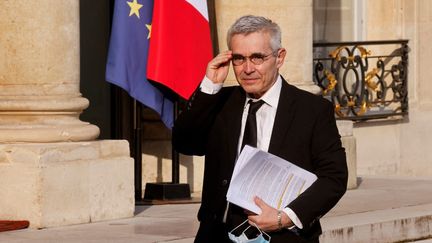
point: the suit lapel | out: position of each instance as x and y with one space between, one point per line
232 120
283 119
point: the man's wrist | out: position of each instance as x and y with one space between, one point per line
285 221
279 219
294 220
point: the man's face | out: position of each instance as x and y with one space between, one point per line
256 79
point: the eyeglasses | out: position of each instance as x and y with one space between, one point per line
255 58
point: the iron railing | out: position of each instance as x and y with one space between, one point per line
365 80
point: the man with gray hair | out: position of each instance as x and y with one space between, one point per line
266 112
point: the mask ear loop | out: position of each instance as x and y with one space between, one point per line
269 237
262 232
238 226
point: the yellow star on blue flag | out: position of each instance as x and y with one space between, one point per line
149 30
134 8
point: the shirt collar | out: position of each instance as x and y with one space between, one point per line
271 97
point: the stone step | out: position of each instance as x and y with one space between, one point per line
382 209
388 225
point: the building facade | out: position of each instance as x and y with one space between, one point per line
47 151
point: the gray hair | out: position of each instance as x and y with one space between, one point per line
250 24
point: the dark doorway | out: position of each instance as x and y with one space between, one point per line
94 39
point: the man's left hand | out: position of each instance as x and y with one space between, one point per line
268 219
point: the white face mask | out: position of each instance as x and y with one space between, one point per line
242 238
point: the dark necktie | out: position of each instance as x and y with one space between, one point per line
250 132
235 214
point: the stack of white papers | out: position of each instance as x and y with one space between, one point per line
273 179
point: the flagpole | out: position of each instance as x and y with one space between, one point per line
174 191
137 136
175 155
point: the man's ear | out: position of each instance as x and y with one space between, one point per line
280 57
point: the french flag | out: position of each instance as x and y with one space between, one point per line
180 44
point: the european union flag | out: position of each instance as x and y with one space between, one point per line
127 56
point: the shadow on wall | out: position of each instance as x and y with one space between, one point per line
381 123
327 20
157 153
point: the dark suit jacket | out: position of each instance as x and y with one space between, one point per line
304 133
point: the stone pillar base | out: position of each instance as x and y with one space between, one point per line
56 184
349 143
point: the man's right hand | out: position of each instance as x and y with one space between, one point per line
217 68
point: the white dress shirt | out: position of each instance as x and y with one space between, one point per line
265 119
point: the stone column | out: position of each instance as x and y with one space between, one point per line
51 173
40 99
295 19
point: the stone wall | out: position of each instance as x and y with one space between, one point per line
401 147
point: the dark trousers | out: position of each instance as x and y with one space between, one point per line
217 232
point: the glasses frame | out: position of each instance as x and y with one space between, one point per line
250 57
